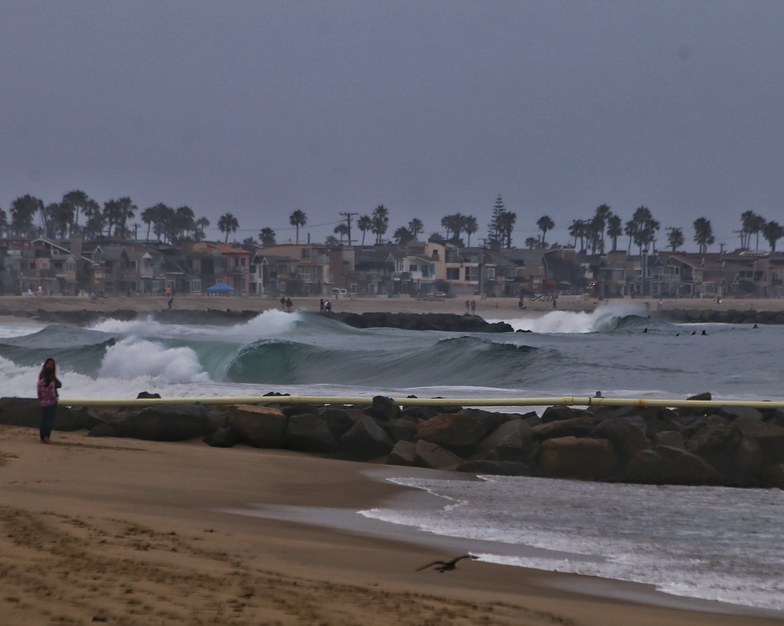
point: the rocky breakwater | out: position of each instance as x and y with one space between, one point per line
409 321
721 316
732 446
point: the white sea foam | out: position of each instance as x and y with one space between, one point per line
575 322
139 358
270 323
710 543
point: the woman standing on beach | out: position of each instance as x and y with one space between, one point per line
47 387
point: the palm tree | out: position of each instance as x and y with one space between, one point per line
341 230
152 216
756 228
184 221
126 211
115 214
577 231
506 225
452 224
675 238
470 227
749 224
267 236
80 202
415 227
772 231
545 223
614 229
60 216
643 228
630 230
23 211
600 217
200 226
403 236
703 234
228 224
95 220
380 219
297 219
364 223
532 242
3 222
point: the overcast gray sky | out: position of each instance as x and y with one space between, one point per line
428 107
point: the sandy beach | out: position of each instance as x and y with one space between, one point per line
489 308
136 532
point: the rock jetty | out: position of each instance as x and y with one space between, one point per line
731 446
408 321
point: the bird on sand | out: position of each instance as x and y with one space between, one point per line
446 566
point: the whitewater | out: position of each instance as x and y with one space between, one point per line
713 543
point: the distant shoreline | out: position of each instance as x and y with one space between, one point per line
691 309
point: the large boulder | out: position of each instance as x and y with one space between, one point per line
454 431
558 413
573 427
366 440
511 441
433 456
164 423
663 465
573 457
716 441
339 420
773 476
309 433
222 437
625 435
27 412
403 429
403 453
383 408
259 426
735 412
768 436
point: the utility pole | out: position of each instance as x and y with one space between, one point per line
348 215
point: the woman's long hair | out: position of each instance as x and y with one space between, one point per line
48 370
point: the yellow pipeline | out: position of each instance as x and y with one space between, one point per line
364 400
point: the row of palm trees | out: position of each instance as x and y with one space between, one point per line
60 219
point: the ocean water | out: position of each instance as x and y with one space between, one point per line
723 544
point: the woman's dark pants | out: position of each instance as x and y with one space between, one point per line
47 420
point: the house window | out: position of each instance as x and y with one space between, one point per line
413 268
453 273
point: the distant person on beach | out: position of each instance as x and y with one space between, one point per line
473 306
47 387
171 301
321 305
288 304
283 302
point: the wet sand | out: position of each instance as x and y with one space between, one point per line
135 532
